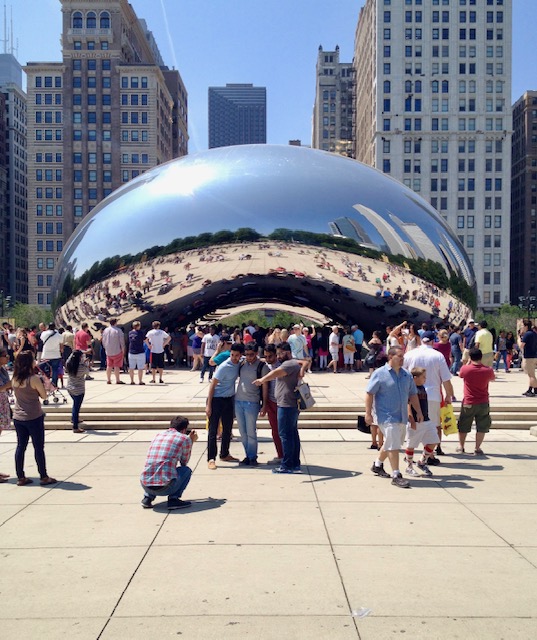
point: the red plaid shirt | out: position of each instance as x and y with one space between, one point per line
168 449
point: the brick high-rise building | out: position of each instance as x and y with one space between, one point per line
524 198
108 112
332 111
433 86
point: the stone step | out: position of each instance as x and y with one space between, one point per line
127 424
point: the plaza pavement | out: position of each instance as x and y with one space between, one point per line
335 553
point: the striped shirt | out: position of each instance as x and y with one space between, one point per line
168 449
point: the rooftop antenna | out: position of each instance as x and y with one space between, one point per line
5 28
11 22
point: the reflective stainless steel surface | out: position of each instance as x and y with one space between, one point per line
212 221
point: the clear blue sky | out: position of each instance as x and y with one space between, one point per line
270 43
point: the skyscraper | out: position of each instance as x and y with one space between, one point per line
433 86
108 112
524 198
237 115
13 182
332 111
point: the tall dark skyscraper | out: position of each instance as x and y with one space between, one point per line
237 115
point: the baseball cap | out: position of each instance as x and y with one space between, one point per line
428 336
471 320
296 326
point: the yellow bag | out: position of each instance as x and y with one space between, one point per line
447 419
219 430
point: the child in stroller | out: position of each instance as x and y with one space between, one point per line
44 371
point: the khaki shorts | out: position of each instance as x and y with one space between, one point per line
488 359
394 435
529 366
479 412
424 433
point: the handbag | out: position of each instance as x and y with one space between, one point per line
362 426
303 396
447 419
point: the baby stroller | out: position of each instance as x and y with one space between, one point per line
45 373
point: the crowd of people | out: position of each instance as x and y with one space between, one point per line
254 371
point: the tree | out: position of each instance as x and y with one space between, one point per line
29 315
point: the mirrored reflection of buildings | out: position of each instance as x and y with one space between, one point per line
13 220
105 114
237 115
524 198
433 86
332 110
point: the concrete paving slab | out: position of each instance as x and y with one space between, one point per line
515 523
84 489
468 582
494 490
103 525
259 580
367 487
64 583
74 629
251 486
8 511
530 553
407 525
11 494
426 628
233 627
281 523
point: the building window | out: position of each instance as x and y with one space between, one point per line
91 20
104 20
76 20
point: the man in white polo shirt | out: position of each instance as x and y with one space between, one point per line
438 375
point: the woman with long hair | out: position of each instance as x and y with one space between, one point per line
28 417
77 370
5 385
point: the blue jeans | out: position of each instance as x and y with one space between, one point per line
175 488
246 414
457 357
503 354
206 367
288 430
77 403
55 365
27 429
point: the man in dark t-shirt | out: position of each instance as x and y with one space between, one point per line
136 352
475 402
286 376
527 342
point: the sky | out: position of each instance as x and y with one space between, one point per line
271 43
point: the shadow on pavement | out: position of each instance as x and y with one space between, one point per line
67 485
197 505
327 473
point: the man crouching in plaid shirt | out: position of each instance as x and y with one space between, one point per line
165 472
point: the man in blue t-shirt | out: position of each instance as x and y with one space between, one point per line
358 336
527 341
219 407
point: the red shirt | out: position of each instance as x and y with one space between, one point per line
82 340
445 350
476 383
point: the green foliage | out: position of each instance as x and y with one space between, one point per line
260 317
504 318
28 315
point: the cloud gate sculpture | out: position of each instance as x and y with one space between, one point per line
263 224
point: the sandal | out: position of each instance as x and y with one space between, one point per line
47 480
4 475
478 452
79 430
459 450
22 481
